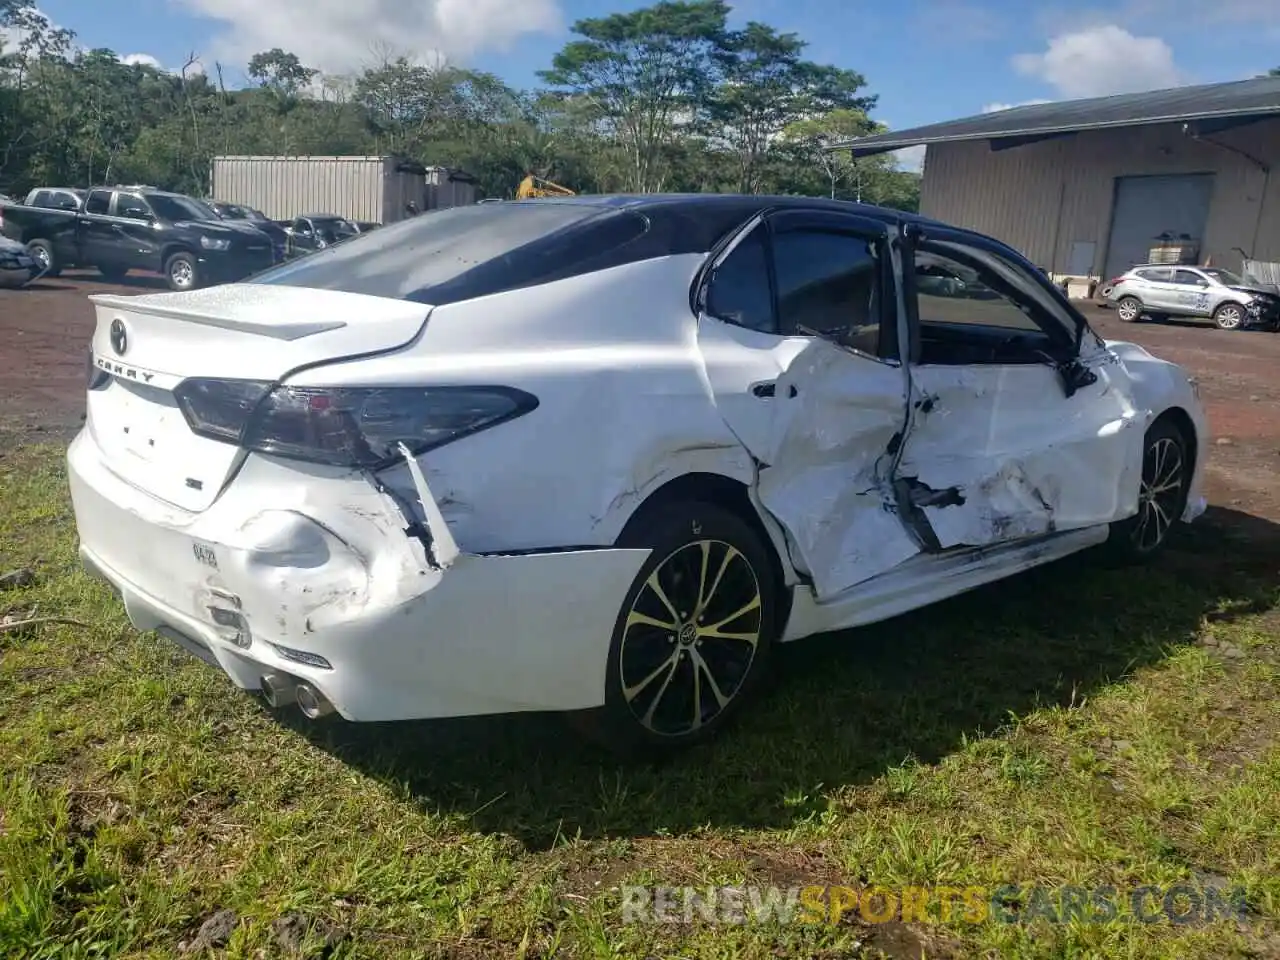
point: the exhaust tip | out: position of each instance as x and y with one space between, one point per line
312 702
278 689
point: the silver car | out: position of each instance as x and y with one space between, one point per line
1160 290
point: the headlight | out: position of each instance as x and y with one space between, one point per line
212 243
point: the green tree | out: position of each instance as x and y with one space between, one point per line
644 76
767 86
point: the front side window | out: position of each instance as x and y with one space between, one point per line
951 292
739 291
1189 278
132 207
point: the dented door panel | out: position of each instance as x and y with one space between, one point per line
821 443
1000 453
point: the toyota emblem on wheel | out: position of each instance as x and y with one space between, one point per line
119 338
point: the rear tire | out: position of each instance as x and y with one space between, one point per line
42 252
182 272
1162 499
695 634
1129 309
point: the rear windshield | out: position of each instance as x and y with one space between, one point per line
466 252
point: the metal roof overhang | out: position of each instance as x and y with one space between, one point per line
1207 109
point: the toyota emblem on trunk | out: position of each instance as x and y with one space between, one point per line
119 338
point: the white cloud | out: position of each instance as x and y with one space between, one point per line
141 59
995 107
1102 60
339 35
910 158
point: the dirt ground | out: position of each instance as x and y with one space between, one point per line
45 331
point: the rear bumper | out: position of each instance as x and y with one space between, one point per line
309 573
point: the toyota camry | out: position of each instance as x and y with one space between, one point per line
601 455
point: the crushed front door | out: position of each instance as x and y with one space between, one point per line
1022 423
804 372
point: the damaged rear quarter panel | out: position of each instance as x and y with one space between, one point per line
623 406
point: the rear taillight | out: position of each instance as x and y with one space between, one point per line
343 426
1112 283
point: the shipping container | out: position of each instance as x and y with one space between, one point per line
449 188
366 189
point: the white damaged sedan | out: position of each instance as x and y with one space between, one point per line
600 455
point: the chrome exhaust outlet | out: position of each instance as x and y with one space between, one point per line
278 689
312 702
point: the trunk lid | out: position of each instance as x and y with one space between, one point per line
234 331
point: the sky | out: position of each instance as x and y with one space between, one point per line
927 60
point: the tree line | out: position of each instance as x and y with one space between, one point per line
665 98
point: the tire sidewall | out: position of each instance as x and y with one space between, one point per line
1120 540
46 256
665 530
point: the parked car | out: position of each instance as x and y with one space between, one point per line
602 455
139 228
236 211
315 231
1160 290
17 267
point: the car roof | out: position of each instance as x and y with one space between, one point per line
320 216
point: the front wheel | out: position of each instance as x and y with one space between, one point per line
42 253
1229 316
1162 496
694 635
181 272
1129 309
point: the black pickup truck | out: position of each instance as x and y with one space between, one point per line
139 228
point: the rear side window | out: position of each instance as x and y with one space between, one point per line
99 201
1157 274
828 284
739 292
465 252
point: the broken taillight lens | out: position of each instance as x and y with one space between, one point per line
219 409
344 426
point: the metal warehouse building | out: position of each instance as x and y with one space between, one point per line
1086 188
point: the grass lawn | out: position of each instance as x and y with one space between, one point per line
1074 726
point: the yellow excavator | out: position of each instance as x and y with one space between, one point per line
532 186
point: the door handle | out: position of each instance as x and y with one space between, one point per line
769 389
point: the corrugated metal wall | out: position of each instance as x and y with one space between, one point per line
359 188
1043 197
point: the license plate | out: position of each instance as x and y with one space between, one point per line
204 554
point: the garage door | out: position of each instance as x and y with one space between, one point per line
1146 207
